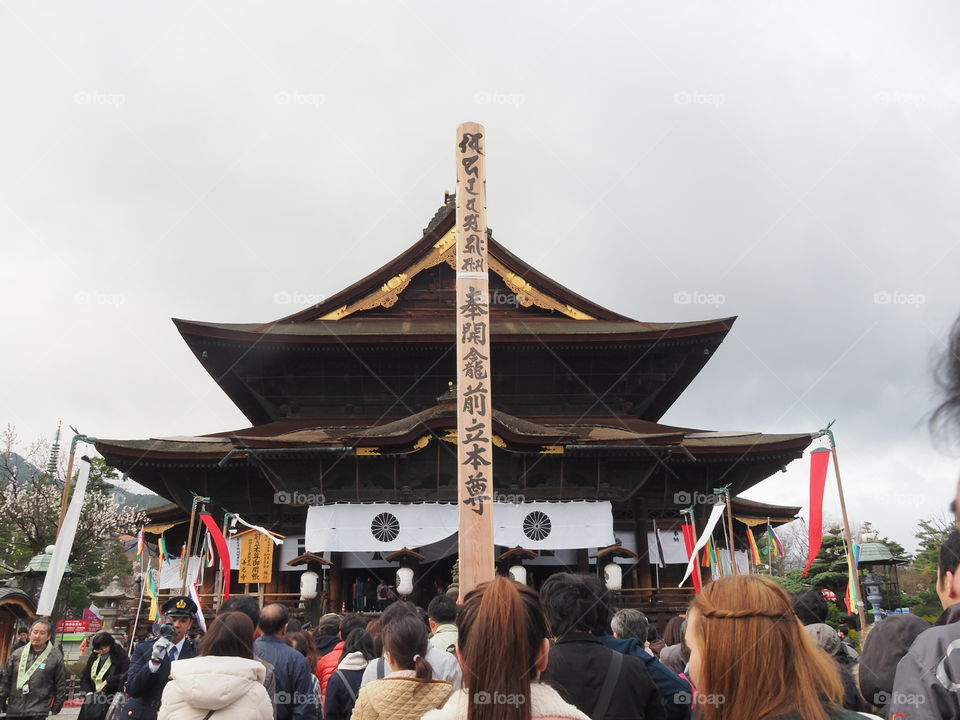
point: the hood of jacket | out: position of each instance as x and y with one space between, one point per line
326 643
353 661
213 682
885 645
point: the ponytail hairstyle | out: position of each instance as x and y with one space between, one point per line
501 631
405 638
744 628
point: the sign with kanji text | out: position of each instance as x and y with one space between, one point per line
475 408
256 558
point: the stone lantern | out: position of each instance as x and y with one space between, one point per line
108 600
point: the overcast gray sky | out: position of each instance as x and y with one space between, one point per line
792 164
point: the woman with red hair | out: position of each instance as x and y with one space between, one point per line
751 660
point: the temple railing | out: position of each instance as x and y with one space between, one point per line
664 600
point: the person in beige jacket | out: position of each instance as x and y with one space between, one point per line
224 683
410 691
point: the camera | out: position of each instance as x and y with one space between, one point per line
164 630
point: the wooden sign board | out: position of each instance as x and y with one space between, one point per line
256 558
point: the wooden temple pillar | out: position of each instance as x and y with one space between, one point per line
336 582
583 561
641 522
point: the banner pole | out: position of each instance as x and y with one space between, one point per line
144 579
851 560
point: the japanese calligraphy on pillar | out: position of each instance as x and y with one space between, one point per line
475 409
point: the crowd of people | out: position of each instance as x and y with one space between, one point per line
744 649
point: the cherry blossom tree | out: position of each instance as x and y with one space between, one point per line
30 509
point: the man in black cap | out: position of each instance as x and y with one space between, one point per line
150 664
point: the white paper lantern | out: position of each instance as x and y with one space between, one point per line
613 576
518 573
308 585
404 581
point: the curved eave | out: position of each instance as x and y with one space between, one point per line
210 450
404 332
406 432
754 508
748 444
135 450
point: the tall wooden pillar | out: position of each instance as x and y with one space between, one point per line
336 581
583 561
641 523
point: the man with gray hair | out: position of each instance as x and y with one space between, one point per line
630 623
629 637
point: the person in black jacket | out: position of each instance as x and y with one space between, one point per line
103 676
149 668
344 684
579 664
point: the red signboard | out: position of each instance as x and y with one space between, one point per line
78 626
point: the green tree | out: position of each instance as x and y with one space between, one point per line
829 570
896 549
792 581
931 533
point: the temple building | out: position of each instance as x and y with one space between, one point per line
350 453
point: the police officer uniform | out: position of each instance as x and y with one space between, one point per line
144 684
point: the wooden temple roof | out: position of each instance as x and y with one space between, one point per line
777 514
439 240
300 379
413 433
272 370
560 313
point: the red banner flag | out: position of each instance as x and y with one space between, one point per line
221 542
690 542
819 460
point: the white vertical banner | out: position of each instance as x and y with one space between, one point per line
63 546
712 521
